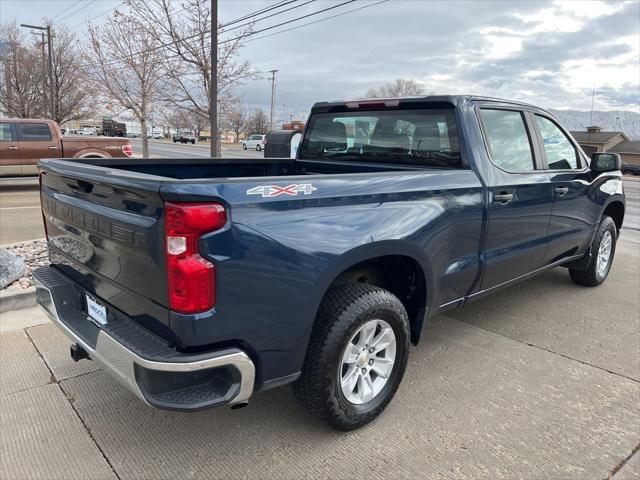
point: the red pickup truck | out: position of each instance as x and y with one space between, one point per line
25 141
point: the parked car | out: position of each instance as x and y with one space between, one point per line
254 142
185 137
630 169
24 141
155 133
203 281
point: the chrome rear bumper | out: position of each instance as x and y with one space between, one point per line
180 382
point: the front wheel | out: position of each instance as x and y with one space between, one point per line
244 146
603 249
258 148
357 356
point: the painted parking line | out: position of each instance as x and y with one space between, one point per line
19 208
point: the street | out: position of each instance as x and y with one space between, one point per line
539 381
186 150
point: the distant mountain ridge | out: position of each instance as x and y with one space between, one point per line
610 121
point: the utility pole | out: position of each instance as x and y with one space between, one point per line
48 30
54 103
273 96
213 83
44 78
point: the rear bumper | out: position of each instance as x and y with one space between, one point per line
141 361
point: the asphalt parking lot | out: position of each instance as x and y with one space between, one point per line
540 381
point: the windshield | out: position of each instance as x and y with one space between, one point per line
416 137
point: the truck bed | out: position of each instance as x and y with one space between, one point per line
205 168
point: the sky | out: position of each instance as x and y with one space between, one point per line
550 53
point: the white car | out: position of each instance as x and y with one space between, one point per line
254 141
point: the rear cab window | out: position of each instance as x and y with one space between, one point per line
508 140
30 132
419 136
5 132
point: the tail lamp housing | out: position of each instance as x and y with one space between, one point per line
127 149
191 279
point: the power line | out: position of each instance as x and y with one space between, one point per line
288 21
81 8
266 9
66 10
268 16
84 22
318 21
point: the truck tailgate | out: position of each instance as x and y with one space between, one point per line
106 234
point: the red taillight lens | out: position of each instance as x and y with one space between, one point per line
127 150
191 279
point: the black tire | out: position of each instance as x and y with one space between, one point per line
592 276
193 142
258 147
244 146
343 311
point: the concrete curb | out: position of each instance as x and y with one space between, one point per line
17 299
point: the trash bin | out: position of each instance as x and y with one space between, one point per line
282 143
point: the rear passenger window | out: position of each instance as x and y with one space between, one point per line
508 140
5 132
561 154
33 131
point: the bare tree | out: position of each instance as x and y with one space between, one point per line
125 62
258 122
21 76
398 88
70 85
183 29
237 120
184 120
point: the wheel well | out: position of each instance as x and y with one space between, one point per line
400 275
615 210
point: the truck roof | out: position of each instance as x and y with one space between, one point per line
457 100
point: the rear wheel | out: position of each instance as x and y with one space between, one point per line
244 146
603 249
258 148
357 356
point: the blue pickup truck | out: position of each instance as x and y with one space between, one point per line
198 282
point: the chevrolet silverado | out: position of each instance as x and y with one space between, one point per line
198 282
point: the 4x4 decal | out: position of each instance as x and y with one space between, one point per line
274 190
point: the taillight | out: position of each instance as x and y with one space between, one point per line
127 150
191 279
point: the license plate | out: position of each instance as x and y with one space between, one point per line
96 311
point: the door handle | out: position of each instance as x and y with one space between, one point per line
502 198
53 147
561 191
12 147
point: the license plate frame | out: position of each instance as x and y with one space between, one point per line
96 311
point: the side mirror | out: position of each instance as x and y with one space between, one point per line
605 162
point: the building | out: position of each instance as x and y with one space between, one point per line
293 125
629 151
594 140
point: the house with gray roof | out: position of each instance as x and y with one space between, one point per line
593 139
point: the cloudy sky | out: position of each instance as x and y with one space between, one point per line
551 53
